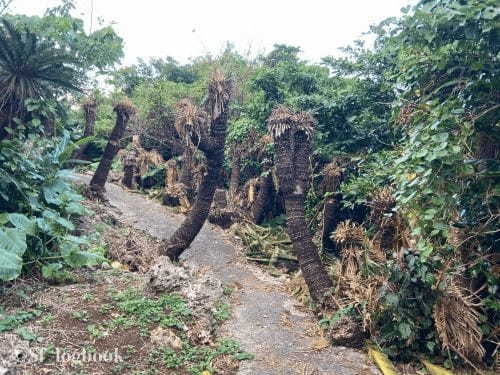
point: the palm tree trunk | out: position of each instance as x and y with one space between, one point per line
264 202
293 150
89 109
123 113
186 176
212 145
310 263
330 221
313 270
49 127
193 223
129 169
234 182
90 116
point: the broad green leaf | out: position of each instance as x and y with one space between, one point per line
52 191
75 257
12 248
23 223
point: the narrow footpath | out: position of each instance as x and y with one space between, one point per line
266 320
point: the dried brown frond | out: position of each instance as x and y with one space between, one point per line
406 113
171 175
89 104
298 288
136 141
381 204
189 119
349 234
265 140
332 175
137 250
251 190
219 93
283 119
392 231
125 106
305 122
351 261
280 120
457 319
146 159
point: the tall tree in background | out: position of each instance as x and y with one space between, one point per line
210 140
291 133
124 110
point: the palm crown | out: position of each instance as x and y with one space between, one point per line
31 67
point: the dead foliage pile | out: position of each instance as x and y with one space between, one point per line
379 289
392 231
176 195
135 250
148 159
266 245
457 321
356 288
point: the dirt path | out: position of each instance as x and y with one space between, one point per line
266 320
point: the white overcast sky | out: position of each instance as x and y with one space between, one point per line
188 28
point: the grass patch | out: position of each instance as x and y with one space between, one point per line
9 322
169 310
198 359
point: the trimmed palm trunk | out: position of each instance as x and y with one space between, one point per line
265 198
186 177
49 126
234 181
291 133
130 168
124 110
89 110
210 140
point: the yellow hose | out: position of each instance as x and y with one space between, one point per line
382 362
435 370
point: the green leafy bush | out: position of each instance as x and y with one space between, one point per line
38 206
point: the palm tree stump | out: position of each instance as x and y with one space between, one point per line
209 136
124 110
130 169
291 133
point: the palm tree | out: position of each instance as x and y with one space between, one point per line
291 133
188 118
209 137
124 110
31 68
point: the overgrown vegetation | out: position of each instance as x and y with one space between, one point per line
403 201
